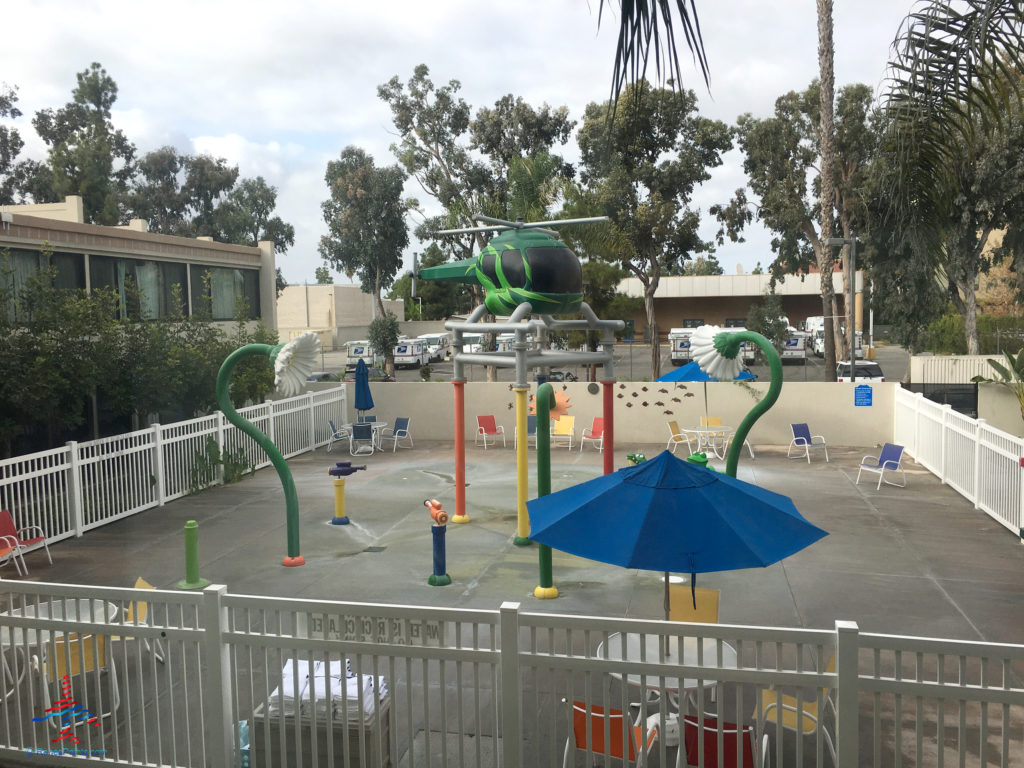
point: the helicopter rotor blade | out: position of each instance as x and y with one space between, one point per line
468 230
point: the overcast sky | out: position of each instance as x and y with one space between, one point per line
281 88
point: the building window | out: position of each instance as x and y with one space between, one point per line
735 322
18 265
693 322
146 290
218 290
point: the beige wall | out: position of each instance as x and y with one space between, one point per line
329 307
999 407
827 408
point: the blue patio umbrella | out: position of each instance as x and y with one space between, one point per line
364 400
667 514
693 372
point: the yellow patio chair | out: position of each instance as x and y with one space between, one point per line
774 708
74 655
678 436
135 615
680 604
562 430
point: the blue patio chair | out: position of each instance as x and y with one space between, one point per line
336 434
889 459
531 430
400 431
802 438
361 440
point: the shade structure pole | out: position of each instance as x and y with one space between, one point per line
522 537
545 400
264 442
460 453
608 395
775 365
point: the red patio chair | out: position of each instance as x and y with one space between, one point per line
485 427
707 731
594 433
22 537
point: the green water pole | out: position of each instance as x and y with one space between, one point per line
192 579
287 483
728 345
545 401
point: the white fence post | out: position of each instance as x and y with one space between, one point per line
312 422
217 680
270 421
511 727
158 463
976 495
847 689
220 446
76 503
946 410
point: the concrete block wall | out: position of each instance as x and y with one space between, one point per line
828 408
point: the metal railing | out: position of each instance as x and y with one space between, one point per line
981 462
67 491
222 680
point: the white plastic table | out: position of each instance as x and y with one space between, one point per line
706 437
83 609
650 649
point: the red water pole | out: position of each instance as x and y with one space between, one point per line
609 425
460 448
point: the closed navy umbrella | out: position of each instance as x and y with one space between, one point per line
667 514
364 400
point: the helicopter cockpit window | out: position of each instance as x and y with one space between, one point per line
555 270
487 267
512 268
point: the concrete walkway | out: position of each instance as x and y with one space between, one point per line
918 560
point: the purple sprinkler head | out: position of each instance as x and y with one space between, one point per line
343 469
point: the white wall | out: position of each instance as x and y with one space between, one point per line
999 407
827 408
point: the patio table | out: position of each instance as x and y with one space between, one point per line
713 437
83 609
650 648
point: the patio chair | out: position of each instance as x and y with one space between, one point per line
135 616
336 434
803 718
802 438
595 433
531 431
485 427
681 599
617 728
696 731
728 445
678 436
73 656
563 429
10 551
361 441
398 432
23 536
713 440
889 459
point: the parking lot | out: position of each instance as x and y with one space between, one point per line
633 363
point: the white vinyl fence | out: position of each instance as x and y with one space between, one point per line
222 680
981 462
69 490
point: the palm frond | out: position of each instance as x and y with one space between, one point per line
648 27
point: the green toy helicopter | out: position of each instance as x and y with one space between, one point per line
525 263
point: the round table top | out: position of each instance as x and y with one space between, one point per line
650 649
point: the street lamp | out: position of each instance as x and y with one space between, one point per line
851 279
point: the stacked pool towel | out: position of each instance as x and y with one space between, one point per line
352 696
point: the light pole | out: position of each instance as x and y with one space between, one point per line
851 280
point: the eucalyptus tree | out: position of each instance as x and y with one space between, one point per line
782 159
365 217
11 143
641 161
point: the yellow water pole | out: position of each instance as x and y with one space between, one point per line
522 538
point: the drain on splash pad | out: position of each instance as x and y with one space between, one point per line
374 549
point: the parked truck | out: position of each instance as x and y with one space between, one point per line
679 345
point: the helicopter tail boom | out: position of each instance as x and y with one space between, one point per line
463 271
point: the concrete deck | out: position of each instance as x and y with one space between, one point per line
918 560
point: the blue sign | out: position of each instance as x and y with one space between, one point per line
862 394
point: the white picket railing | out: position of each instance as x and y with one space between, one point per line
69 490
225 681
981 462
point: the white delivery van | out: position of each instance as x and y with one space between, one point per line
679 345
795 349
411 353
355 350
472 342
438 345
504 341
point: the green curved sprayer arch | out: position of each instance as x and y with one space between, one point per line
287 483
